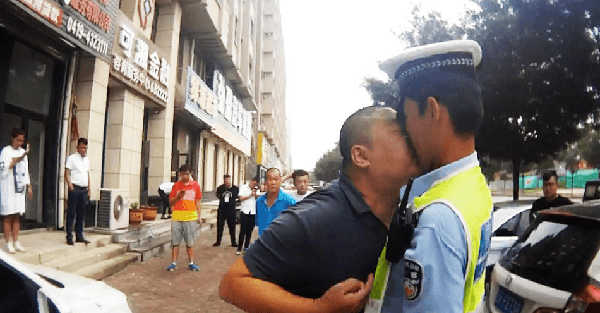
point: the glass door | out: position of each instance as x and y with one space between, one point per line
36 136
30 103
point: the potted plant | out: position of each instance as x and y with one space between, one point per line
149 212
135 215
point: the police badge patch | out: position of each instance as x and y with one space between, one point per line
413 279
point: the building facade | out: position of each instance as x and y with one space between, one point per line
152 84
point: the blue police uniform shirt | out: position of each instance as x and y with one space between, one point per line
328 237
438 253
266 215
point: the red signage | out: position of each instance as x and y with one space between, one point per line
46 9
92 12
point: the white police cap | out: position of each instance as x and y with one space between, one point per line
454 55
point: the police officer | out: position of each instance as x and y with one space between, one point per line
442 269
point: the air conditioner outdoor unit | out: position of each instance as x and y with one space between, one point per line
113 209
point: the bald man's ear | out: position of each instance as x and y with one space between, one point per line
359 156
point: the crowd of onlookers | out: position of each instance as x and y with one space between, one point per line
259 206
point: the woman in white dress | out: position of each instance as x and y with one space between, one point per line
14 181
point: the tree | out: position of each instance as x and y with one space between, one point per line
329 164
586 148
538 75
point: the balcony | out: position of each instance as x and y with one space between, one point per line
267 105
268 84
268 125
207 21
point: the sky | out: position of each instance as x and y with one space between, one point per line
330 47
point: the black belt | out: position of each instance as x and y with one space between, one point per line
79 187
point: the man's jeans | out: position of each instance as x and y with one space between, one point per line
78 200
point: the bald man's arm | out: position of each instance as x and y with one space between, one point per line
240 288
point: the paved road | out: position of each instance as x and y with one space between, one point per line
150 288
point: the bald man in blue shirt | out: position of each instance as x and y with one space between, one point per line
270 205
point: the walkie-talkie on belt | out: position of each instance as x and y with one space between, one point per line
401 230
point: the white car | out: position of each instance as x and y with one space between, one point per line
509 220
554 267
37 289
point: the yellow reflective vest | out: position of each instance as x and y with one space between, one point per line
469 197
467 194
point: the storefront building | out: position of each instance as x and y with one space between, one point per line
151 84
98 74
214 96
43 42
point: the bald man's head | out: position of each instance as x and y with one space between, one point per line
358 129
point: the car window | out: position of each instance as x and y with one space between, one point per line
18 294
514 226
555 253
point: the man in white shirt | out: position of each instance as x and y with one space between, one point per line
248 194
301 182
77 176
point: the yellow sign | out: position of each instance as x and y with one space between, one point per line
259 148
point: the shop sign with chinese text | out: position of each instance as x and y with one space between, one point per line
199 98
139 63
86 23
230 109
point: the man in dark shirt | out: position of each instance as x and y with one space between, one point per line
227 194
551 198
326 247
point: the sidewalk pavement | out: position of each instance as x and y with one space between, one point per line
150 288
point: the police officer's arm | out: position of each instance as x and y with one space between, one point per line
240 288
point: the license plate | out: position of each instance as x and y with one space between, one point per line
508 302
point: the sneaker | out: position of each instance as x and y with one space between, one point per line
172 267
238 252
193 267
18 247
9 247
216 244
234 245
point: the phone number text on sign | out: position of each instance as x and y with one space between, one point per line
92 39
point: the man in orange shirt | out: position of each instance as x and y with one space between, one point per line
185 201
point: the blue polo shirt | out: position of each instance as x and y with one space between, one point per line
328 237
265 214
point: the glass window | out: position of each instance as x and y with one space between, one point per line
515 226
555 253
17 292
30 79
